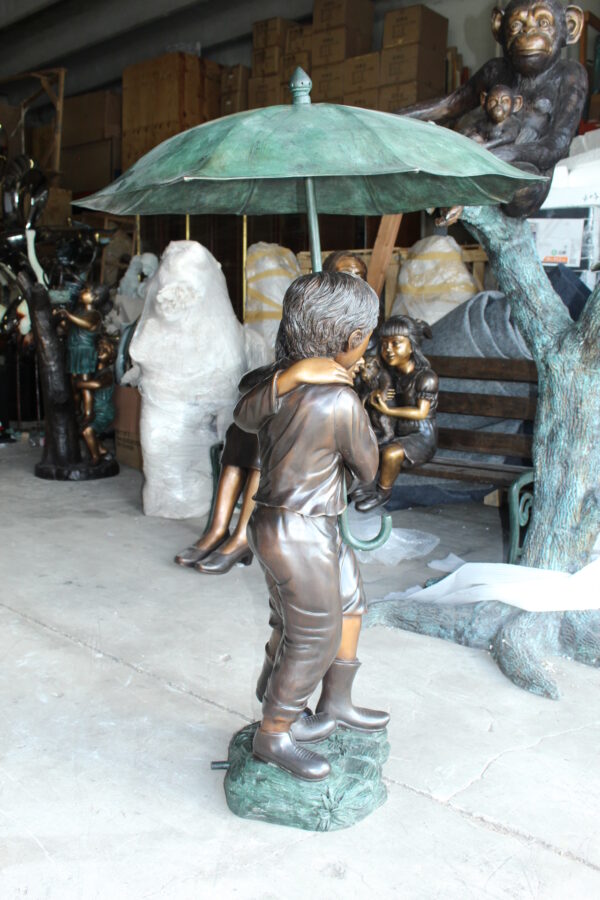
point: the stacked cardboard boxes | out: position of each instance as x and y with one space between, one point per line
90 155
164 96
298 52
234 89
413 59
268 50
341 29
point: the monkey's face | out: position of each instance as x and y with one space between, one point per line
533 33
498 106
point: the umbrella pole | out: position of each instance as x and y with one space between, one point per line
313 226
244 262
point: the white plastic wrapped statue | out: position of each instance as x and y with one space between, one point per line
133 286
270 269
191 353
433 280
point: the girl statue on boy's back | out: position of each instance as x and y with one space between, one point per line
312 430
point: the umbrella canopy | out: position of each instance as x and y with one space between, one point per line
360 161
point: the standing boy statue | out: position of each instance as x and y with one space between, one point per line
312 431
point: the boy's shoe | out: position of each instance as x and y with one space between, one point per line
308 729
336 699
282 750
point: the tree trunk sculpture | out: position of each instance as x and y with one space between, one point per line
565 519
61 459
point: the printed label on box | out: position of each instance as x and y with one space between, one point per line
558 240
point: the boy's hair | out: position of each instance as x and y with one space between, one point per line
321 310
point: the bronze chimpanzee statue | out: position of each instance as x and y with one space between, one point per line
532 34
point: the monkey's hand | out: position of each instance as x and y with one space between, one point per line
450 216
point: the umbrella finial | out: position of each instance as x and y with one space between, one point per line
300 86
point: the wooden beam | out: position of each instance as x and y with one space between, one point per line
383 250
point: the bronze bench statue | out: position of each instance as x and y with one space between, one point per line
516 477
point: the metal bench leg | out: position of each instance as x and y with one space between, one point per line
519 512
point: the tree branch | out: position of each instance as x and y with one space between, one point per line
588 326
539 313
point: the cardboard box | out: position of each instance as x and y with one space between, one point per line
91 117
234 102
89 167
298 39
267 61
338 44
270 33
367 99
414 25
264 92
176 89
58 208
328 83
234 79
361 72
128 405
414 62
355 14
291 61
396 96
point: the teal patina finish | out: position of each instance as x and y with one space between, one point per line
257 790
361 162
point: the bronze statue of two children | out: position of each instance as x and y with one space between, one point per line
316 438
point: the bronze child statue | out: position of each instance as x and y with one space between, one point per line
312 432
411 403
102 412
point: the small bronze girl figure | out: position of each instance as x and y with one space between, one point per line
410 403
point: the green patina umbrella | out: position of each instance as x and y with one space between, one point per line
308 157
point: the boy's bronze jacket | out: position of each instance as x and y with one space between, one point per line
307 438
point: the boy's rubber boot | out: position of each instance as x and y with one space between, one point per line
282 750
310 727
265 674
336 699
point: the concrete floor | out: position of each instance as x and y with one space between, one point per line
124 676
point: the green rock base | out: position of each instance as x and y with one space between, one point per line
258 790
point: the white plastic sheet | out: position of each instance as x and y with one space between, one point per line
535 590
433 280
191 352
402 544
270 269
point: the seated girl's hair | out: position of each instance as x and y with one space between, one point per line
322 310
414 329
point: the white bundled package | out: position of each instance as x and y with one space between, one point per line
191 352
270 269
433 280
